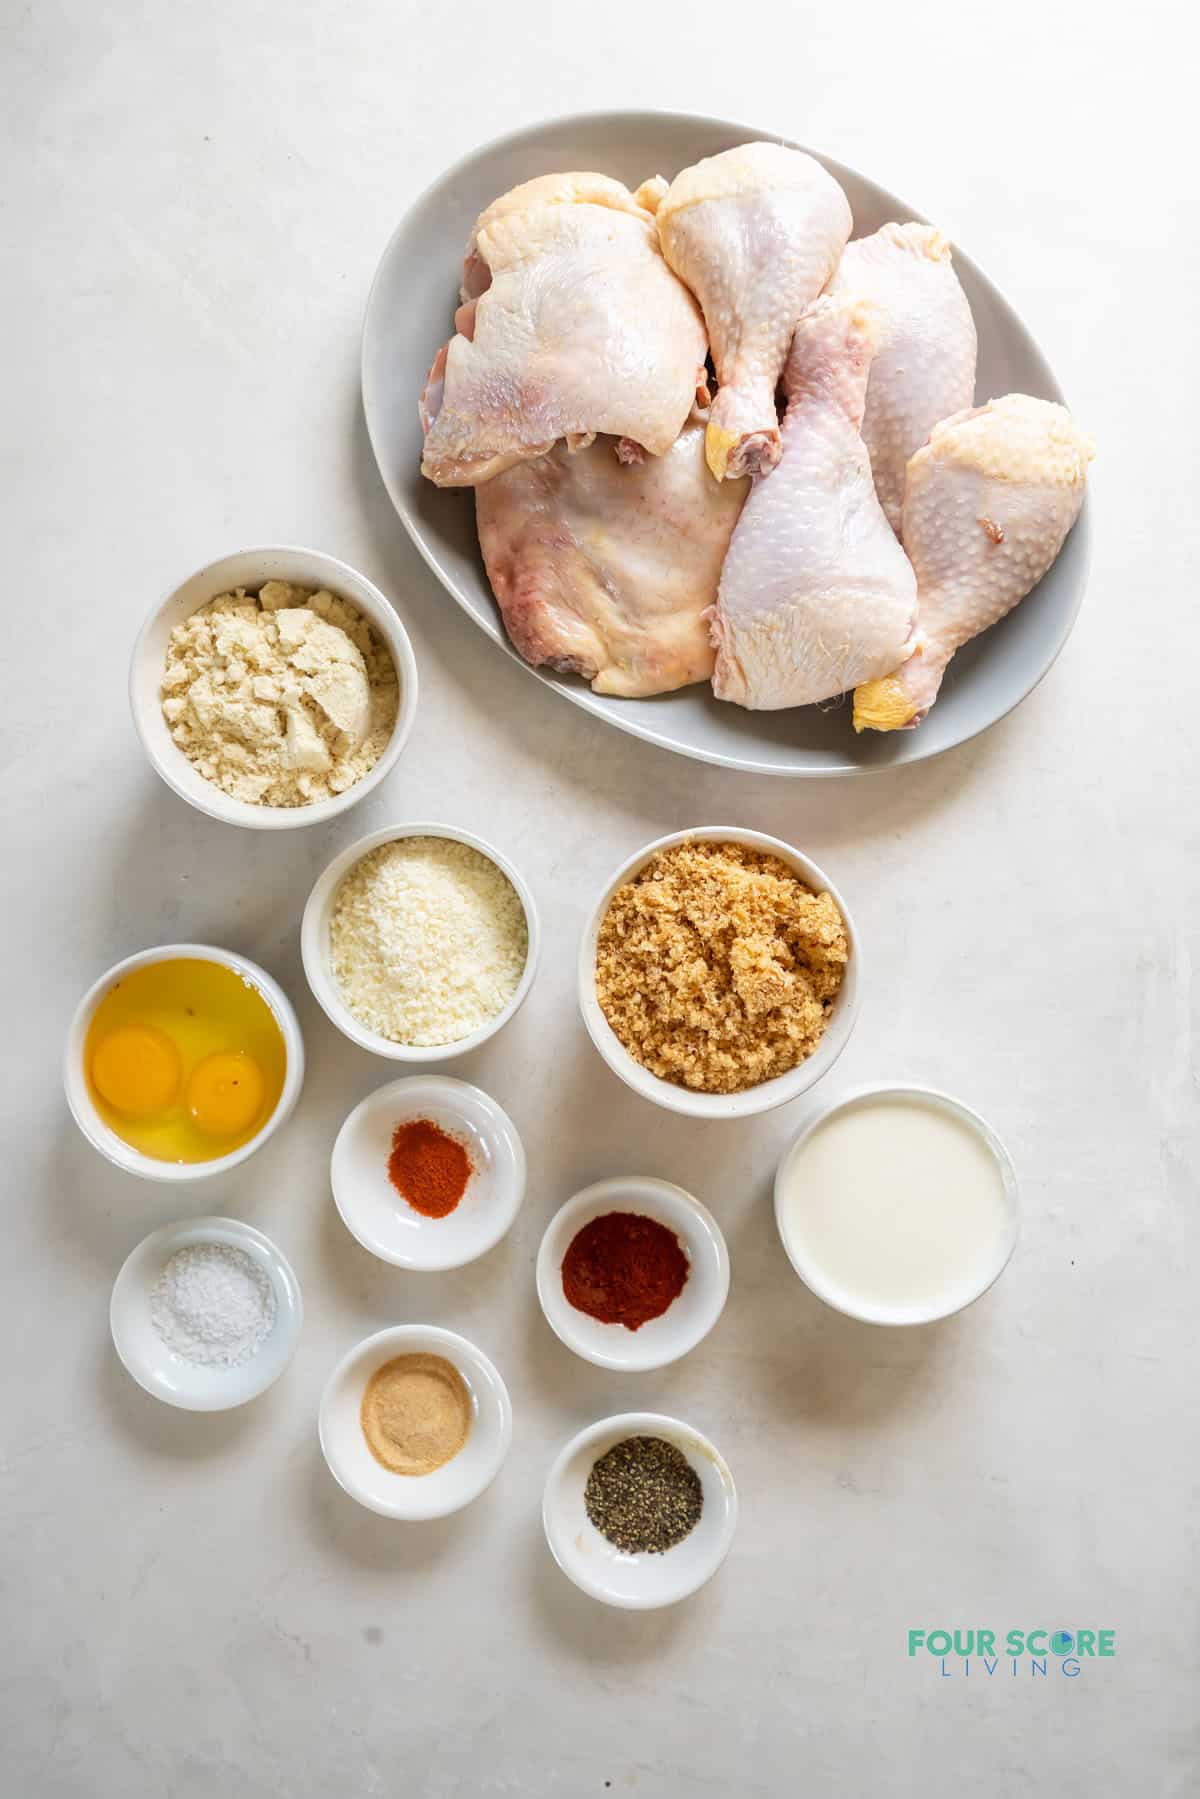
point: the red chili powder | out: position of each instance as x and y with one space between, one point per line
428 1167
623 1268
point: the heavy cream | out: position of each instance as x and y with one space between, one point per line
895 1209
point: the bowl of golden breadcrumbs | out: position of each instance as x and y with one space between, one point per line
719 973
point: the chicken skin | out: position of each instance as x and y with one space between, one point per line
571 325
756 233
988 503
924 368
609 570
816 594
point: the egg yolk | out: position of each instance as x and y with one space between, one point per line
137 1069
225 1093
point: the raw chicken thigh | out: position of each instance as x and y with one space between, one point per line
988 503
924 367
816 594
553 190
571 324
610 570
756 233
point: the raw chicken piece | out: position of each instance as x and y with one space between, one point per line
988 502
816 594
924 368
545 190
608 570
571 324
756 233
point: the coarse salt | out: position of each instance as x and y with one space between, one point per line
213 1305
428 940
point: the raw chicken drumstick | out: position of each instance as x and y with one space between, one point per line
988 502
756 233
571 324
924 367
609 570
816 594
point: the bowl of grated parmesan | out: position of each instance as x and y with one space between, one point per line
420 942
274 688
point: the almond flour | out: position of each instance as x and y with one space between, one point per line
280 698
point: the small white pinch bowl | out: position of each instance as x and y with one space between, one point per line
839 1299
686 1321
145 1355
83 1108
414 1496
615 1577
382 1220
767 1094
250 569
314 947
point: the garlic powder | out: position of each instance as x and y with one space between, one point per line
281 698
427 940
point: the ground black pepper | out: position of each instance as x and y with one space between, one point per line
643 1495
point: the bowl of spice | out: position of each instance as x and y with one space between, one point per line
415 1422
632 1273
273 688
420 942
206 1314
639 1510
719 973
428 1172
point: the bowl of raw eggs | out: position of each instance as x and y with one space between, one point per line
181 1061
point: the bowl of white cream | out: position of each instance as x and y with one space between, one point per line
897 1205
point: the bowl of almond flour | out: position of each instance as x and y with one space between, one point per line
274 688
420 942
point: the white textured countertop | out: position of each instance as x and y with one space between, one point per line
193 1608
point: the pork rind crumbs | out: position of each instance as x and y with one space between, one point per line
717 967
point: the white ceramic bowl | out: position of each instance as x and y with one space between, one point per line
866 1312
414 1496
637 1582
314 947
686 1321
147 1357
250 569
382 1220
83 1108
768 1094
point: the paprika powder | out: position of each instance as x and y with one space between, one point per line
428 1167
623 1268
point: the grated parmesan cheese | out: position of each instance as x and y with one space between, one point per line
427 940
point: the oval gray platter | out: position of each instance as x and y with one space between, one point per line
410 313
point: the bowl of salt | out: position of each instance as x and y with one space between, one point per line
206 1314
